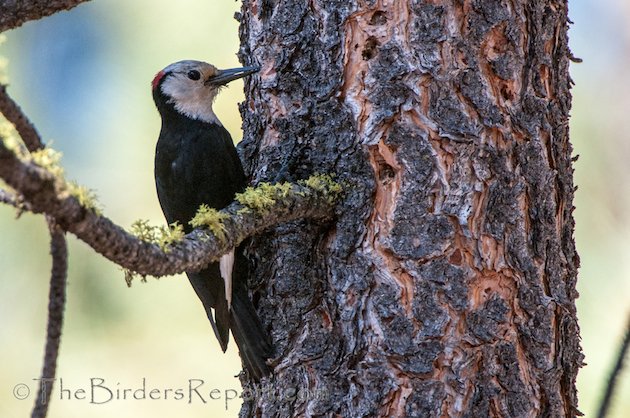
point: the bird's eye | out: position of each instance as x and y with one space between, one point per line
194 75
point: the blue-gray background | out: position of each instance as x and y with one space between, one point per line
84 78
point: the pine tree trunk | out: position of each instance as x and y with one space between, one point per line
446 284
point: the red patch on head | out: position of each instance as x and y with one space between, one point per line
157 78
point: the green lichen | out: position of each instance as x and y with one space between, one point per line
325 185
169 235
163 236
86 197
211 219
282 190
11 139
262 197
48 159
243 211
144 231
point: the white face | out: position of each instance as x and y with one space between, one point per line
184 84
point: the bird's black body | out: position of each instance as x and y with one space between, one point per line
196 163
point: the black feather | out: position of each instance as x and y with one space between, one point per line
196 163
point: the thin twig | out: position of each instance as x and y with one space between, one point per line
56 304
614 375
14 200
10 199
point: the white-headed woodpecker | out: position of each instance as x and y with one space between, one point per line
196 163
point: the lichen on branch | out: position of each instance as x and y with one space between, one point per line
211 219
50 160
48 193
164 236
261 198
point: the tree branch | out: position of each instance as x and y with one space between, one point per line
12 200
56 304
59 252
47 194
58 249
14 13
11 110
612 382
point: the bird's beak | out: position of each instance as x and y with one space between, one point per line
225 76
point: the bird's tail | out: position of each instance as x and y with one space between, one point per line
250 337
209 288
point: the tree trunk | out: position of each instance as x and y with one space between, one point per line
446 284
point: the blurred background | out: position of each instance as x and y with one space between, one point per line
84 79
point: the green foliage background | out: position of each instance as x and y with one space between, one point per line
97 108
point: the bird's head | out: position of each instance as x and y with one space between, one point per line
191 87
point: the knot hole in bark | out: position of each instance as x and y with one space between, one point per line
506 92
378 18
385 172
370 49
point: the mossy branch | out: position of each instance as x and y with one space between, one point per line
49 194
211 219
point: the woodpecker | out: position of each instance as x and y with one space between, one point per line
196 163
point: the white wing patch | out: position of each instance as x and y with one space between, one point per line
226 266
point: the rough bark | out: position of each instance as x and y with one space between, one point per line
446 286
